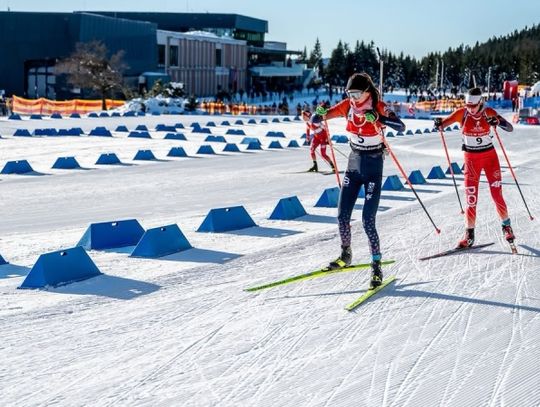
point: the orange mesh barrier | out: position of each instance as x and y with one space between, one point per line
47 107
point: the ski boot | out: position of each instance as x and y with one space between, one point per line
468 240
314 168
509 236
332 166
343 260
376 274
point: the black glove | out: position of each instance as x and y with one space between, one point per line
437 122
493 121
316 118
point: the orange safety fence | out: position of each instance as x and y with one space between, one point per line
47 107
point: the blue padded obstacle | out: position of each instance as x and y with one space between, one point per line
275 134
35 117
161 241
45 132
329 198
400 133
108 159
225 123
426 131
130 114
231 148
409 133
305 143
60 268
455 168
418 131
163 127
141 114
141 127
123 129
448 129
303 135
254 145
93 114
139 134
14 116
177 152
390 134
2 261
293 143
286 119
66 163
275 144
239 122
252 121
264 121
104 114
217 139
203 130
17 167
392 183
56 116
247 140
100 131
416 178
144 155
109 235
69 132
211 124
22 133
116 114
195 125
77 130
456 127
156 114
436 173
75 116
175 136
179 126
275 120
205 149
287 209
226 219
342 139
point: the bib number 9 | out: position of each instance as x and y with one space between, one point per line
479 140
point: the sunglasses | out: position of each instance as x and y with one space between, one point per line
355 94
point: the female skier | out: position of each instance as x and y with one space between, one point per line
476 121
366 118
317 134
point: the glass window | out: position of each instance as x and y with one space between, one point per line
173 55
161 55
218 57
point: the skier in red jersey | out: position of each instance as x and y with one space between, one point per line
476 121
366 117
317 135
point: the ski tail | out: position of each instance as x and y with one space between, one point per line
369 293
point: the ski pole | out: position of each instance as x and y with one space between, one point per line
512 172
394 158
451 169
333 154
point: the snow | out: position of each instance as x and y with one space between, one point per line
461 330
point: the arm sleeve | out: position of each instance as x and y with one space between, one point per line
389 118
505 124
456 116
338 110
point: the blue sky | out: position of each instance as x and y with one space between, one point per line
415 27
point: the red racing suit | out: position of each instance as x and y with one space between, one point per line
318 135
480 154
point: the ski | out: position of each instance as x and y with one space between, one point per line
314 274
456 250
369 294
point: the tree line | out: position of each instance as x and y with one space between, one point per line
508 57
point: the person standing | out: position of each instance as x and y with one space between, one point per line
317 136
366 117
480 155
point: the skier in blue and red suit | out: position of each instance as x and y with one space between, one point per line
366 117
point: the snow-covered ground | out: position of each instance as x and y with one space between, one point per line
461 330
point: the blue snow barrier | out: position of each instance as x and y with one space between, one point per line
286 119
418 131
68 132
139 134
177 152
35 117
416 178
434 130
56 116
100 131
448 129
141 127
252 121
66 163
195 125
179 126
163 127
293 143
455 168
254 145
108 159
116 114
203 130
287 209
211 124
217 139
409 133
93 114
110 235
390 134
297 118
2 261
239 122
342 139
305 143
436 173
104 114
400 133
175 136
456 127
392 183
122 129
205 149
156 113
264 121
225 123
247 140
231 148
275 120
130 114
303 135
329 198
140 114
22 133
75 116
144 155
275 134
275 144
14 116
17 167
60 268
161 241
238 132
226 219
362 192
335 137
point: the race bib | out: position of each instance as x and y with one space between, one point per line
478 142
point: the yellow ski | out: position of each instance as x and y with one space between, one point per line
369 293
